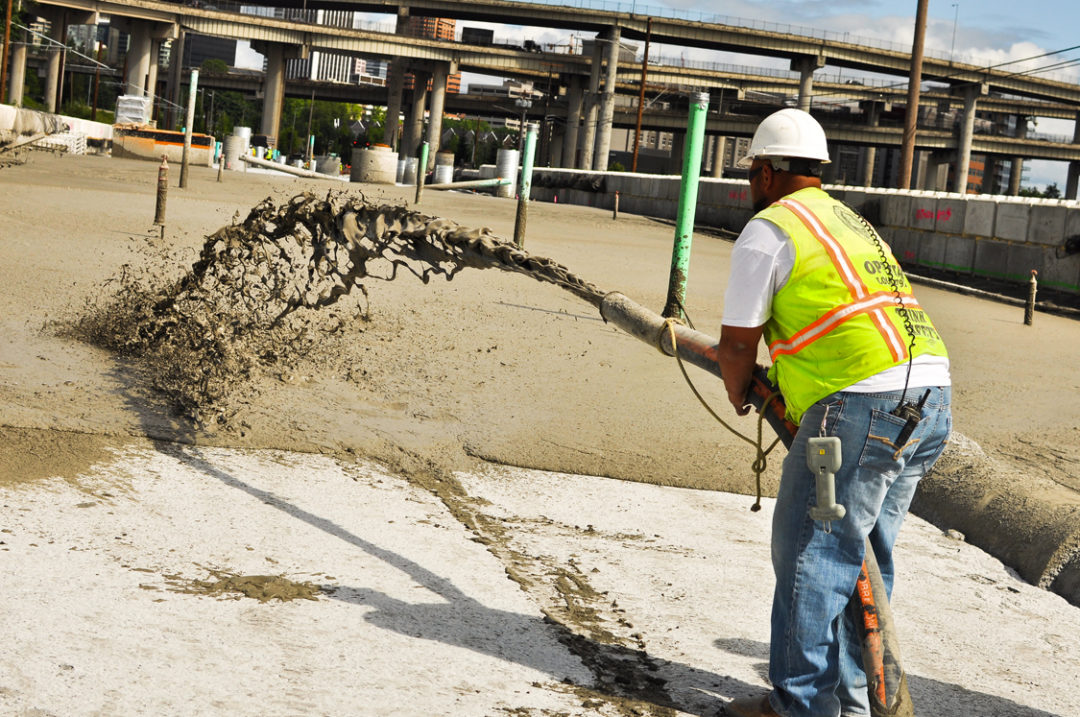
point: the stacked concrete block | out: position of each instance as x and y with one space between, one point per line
904 244
855 198
949 215
1072 222
1011 221
979 217
1023 258
1060 271
1047 224
959 254
922 213
895 210
991 258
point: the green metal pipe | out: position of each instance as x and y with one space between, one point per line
688 193
421 170
525 187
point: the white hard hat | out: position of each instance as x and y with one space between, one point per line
787 134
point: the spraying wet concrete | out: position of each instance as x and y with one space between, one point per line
428 378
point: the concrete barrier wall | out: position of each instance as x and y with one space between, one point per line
992 236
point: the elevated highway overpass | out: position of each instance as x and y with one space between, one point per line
591 83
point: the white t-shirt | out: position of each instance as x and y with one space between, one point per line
761 265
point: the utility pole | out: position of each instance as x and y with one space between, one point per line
907 151
7 53
641 95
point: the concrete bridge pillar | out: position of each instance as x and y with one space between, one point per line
575 98
138 58
719 149
176 79
273 90
588 139
54 78
872 110
17 77
439 77
967 131
678 147
607 101
414 122
1074 167
1017 172
152 70
805 66
395 83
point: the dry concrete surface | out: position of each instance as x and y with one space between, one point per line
488 503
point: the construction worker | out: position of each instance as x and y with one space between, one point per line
815 280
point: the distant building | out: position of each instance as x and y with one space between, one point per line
436 28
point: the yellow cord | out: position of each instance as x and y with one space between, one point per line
761 460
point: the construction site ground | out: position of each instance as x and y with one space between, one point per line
486 502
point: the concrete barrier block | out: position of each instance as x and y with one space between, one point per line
738 197
991 259
1047 225
922 213
895 209
979 217
1060 272
855 198
1072 222
959 254
949 216
904 244
1011 221
710 192
1025 257
738 217
671 187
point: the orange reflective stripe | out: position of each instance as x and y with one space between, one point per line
873 305
836 253
848 274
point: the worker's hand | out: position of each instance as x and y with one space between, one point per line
740 401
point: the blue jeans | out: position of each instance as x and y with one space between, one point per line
815 662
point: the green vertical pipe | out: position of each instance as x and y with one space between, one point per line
688 193
421 170
525 187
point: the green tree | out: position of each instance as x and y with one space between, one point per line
214 66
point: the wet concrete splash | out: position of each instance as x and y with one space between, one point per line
264 290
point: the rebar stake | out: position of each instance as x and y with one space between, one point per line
1029 308
162 194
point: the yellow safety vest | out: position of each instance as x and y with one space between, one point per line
836 320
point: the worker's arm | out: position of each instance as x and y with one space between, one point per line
737 355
